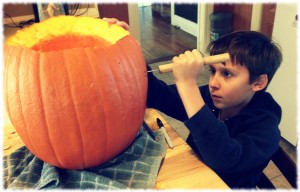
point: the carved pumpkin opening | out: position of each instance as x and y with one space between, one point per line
67 32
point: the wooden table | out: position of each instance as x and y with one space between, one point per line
181 168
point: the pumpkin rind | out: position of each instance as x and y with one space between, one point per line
76 108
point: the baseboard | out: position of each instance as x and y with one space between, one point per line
91 12
17 19
166 58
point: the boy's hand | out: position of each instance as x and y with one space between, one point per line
188 66
117 22
186 69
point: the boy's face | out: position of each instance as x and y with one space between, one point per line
229 86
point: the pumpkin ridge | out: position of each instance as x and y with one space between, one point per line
140 76
122 60
114 75
103 98
45 116
6 88
117 82
105 59
100 99
136 76
20 101
7 103
74 109
13 114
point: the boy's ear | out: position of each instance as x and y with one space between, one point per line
260 83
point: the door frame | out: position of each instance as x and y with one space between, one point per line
203 37
134 20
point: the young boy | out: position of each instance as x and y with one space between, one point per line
233 122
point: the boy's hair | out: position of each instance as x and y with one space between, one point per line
257 52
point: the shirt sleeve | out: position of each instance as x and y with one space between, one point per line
235 152
165 98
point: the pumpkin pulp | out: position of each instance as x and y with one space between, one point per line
67 32
69 42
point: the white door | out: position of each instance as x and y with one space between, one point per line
284 84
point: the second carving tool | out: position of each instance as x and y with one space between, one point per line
162 128
165 68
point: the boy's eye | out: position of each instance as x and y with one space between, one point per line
212 70
227 74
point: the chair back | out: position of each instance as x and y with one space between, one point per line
286 166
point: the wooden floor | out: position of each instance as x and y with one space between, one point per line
160 40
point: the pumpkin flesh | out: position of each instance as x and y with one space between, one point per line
68 42
76 101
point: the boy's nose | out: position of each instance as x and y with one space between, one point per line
213 82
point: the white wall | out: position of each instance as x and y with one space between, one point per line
143 4
284 84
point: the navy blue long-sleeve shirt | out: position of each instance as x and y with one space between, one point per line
237 149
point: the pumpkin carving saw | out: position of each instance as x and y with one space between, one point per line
75 90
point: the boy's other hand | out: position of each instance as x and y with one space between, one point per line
117 22
188 66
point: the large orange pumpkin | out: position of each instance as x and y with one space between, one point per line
75 90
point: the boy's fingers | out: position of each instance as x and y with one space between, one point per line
198 55
123 24
189 55
110 20
182 56
175 59
117 22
